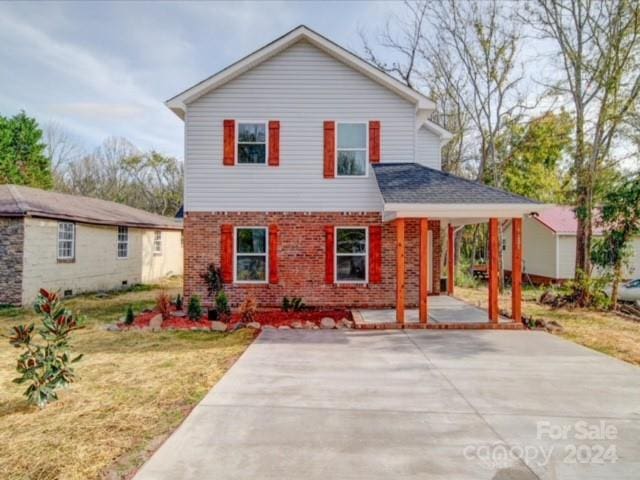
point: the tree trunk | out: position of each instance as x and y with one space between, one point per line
617 274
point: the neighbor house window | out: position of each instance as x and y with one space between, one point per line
252 143
352 149
351 254
157 243
251 254
66 240
123 242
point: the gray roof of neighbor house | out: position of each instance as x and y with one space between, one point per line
416 184
20 201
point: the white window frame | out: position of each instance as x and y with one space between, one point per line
72 256
156 240
365 254
366 148
265 254
124 242
266 143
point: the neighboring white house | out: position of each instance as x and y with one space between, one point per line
74 244
549 246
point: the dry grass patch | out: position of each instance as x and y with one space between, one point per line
133 389
605 332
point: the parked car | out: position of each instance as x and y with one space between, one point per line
627 292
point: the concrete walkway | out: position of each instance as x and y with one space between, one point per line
442 309
411 404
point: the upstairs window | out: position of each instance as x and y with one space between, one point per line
252 143
351 255
123 242
352 149
157 242
251 255
66 240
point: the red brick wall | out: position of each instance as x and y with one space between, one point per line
301 258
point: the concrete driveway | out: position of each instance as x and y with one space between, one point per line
411 404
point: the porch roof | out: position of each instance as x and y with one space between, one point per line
413 190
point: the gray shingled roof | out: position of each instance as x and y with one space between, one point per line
19 201
415 183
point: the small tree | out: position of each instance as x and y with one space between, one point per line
213 278
46 366
194 309
129 317
163 304
620 218
222 305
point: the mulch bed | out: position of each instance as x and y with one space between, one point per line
274 318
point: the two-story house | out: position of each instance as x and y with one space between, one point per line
311 173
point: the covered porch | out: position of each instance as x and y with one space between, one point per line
412 191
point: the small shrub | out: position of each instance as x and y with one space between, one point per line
46 366
179 302
583 291
163 304
213 279
222 305
294 305
248 310
194 309
129 316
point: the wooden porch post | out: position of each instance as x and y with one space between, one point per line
516 269
493 270
451 259
400 270
424 269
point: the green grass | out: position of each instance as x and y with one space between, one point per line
133 389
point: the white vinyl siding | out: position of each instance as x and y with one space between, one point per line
301 87
538 249
428 149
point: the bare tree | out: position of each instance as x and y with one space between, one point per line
598 45
61 147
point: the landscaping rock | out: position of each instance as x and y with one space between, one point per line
309 325
179 314
238 326
268 327
553 326
327 323
155 324
345 323
255 325
284 327
218 326
296 324
112 327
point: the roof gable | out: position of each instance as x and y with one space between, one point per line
562 220
178 103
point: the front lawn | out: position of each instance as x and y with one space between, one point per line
133 389
606 332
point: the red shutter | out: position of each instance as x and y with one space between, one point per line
374 141
375 254
226 253
329 149
329 254
229 155
273 254
274 143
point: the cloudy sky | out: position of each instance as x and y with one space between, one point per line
103 69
